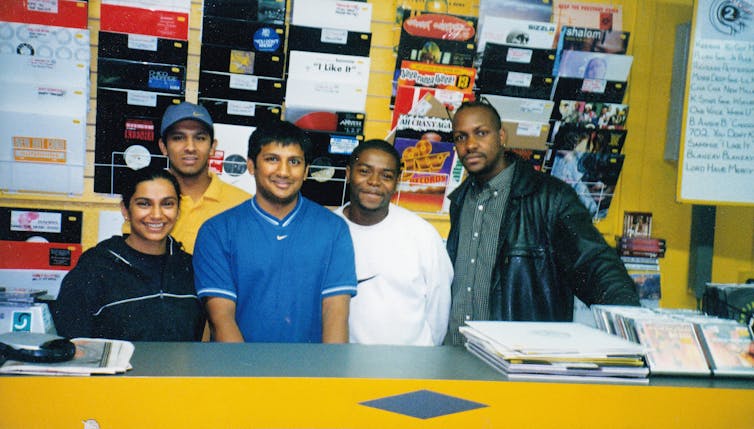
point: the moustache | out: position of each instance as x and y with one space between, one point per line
472 154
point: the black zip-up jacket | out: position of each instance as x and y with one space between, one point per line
108 295
548 251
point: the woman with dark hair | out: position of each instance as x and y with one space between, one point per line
139 287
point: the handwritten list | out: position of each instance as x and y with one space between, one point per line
718 151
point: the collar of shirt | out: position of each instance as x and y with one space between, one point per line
213 193
499 183
272 219
214 190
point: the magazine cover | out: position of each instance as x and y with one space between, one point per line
592 114
515 84
436 38
569 88
672 347
637 224
229 158
326 182
426 159
515 32
593 40
590 15
515 58
535 158
727 346
592 65
414 73
271 11
573 137
648 284
534 10
592 175
341 15
324 120
147 17
426 75
426 165
455 7
414 100
128 124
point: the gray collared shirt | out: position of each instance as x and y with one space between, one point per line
481 215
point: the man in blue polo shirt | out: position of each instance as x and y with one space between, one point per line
277 268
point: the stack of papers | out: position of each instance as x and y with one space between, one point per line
93 356
564 351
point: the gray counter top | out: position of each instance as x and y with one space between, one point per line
339 360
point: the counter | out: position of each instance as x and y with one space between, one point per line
208 385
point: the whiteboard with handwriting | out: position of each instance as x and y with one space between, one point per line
717 148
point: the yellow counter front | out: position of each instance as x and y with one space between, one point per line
208 385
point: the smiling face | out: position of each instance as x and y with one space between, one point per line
279 172
479 142
151 212
188 145
373 179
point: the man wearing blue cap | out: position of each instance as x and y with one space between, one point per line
187 138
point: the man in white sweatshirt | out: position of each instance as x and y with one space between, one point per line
403 270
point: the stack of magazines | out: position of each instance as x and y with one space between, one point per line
93 356
559 351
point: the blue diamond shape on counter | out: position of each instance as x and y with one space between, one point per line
423 404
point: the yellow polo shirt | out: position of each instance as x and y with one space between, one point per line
218 197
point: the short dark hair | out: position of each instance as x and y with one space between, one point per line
147 174
482 103
376 144
283 133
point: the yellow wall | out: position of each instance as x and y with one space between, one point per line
647 183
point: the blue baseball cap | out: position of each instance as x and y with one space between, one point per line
183 111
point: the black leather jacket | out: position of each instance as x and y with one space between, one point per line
548 251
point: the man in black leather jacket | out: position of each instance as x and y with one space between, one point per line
521 242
